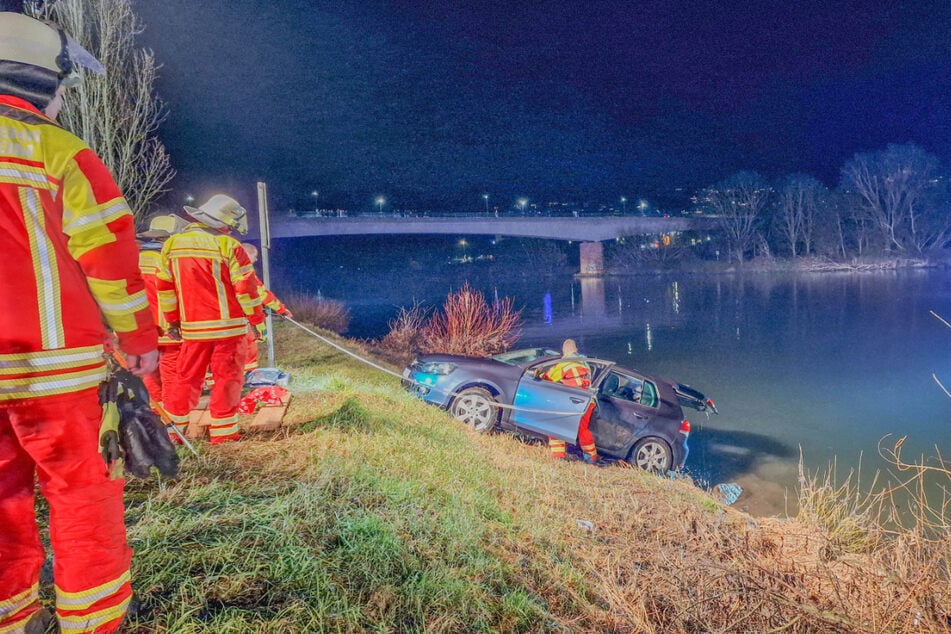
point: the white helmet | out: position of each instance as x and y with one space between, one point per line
221 212
36 58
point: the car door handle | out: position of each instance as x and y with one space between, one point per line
576 400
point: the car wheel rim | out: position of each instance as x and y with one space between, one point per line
652 457
475 411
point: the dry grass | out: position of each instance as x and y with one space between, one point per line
379 513
328 314
403 339
468 325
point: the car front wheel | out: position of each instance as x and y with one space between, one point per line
651 454
476 408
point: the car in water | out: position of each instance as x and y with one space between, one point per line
639 417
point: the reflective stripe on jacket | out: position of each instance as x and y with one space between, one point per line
68 260
268 298
206 282
572 373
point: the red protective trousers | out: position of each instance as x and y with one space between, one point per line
56 439
157 383
225 357
559 448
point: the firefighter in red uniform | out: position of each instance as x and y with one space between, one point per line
69 262
161 228
576 373
268 300
207 291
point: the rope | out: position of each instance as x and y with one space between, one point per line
402 378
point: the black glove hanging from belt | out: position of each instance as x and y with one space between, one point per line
131 431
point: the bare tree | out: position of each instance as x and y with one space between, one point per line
797 207
738 202
891 184
117 114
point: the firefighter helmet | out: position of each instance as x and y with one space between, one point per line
163 227
221 212
37 57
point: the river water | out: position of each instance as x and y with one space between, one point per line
830 365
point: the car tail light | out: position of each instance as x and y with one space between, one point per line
685 427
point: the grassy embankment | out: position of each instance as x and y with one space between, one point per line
381 514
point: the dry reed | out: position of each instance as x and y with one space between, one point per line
468 325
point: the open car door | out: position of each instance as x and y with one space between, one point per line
549 409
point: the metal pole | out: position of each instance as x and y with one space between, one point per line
265 230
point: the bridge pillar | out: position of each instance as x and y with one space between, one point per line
592 258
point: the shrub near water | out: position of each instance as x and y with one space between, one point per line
467 324
328 314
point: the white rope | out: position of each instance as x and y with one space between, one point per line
402 378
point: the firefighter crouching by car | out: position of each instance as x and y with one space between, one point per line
270 301
69 261
207 291
573 371
161 228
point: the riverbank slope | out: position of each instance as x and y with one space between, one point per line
379 513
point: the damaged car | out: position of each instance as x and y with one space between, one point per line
639 417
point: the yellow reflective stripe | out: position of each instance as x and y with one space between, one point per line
248 304
97 216
112 298
223 427
84 599
242 272
180 421
150 262
19 601
220 290
226 329
168 301
23 175
43 360
195 252
45 270
31 386
89 622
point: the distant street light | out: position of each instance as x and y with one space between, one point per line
189 199
624 205
485 197
316 194
522 203
642 205
380 201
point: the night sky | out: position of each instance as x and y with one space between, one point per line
432 103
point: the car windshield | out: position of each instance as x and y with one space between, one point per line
526 355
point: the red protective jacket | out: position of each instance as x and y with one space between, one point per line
207 284
68 260
150 260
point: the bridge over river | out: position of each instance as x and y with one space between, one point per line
578 229
589 231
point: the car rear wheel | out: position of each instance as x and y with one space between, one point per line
476 408
651 454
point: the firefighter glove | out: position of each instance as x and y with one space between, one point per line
261 330
174 331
